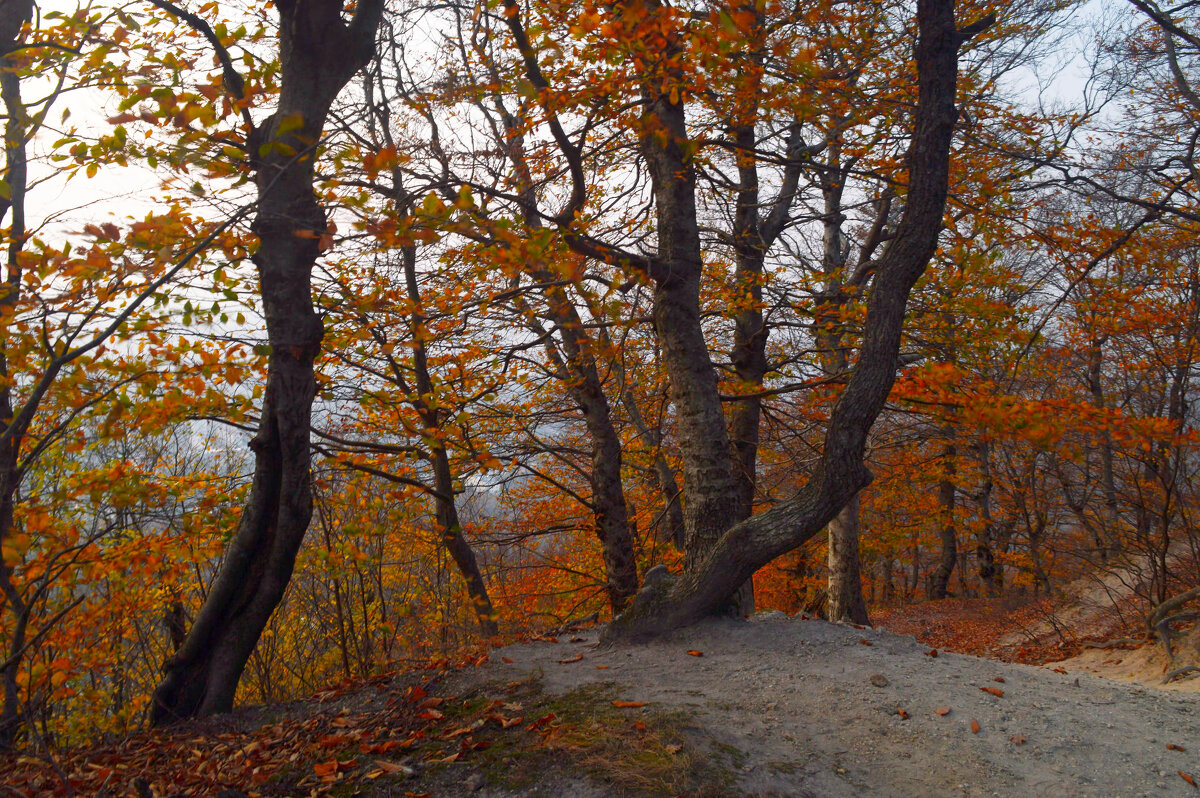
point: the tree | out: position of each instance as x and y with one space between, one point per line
710 577
319 51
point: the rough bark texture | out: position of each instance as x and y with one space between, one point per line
845 603
711 577
318 52
709 491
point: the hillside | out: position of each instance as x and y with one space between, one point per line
770 707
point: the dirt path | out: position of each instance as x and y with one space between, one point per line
811 708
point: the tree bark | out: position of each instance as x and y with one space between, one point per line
318 54
939 581
711 577
13 15
448 523
846 603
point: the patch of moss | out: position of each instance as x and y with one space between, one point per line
580 734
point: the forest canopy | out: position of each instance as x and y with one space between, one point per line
339 336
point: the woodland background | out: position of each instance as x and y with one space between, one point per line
477 372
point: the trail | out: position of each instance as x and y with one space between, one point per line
812 708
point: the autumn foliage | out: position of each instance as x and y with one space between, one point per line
496 443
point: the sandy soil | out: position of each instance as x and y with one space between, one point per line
814 708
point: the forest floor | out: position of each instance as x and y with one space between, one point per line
773 706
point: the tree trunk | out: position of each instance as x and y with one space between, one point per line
710 496
939 581
318 54
448 523
13 15
608 492
583 383
846 604
709 579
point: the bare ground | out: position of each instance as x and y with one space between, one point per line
789 707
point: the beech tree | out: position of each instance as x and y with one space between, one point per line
319 51
720 553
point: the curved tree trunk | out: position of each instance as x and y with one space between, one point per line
318 54
710 577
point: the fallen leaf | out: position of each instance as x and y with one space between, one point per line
673 749
325 768
866 642
602 667
393 767
974 726
996 691
1017 739
429 703
901 713
999 679
503 722
544 720
507 660
628 704
1186 778
694 653
640 726
1060 670
943 711
933 652
431 714
1173 747
569 660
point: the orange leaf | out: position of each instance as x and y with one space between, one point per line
602 667
391 767
1186 778
999 679
1173 747
943 711
569 660
996 691
933 652
902 713
325 768
628 704
507 660
693 652
974 726
866 642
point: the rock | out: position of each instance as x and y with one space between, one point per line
879 680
